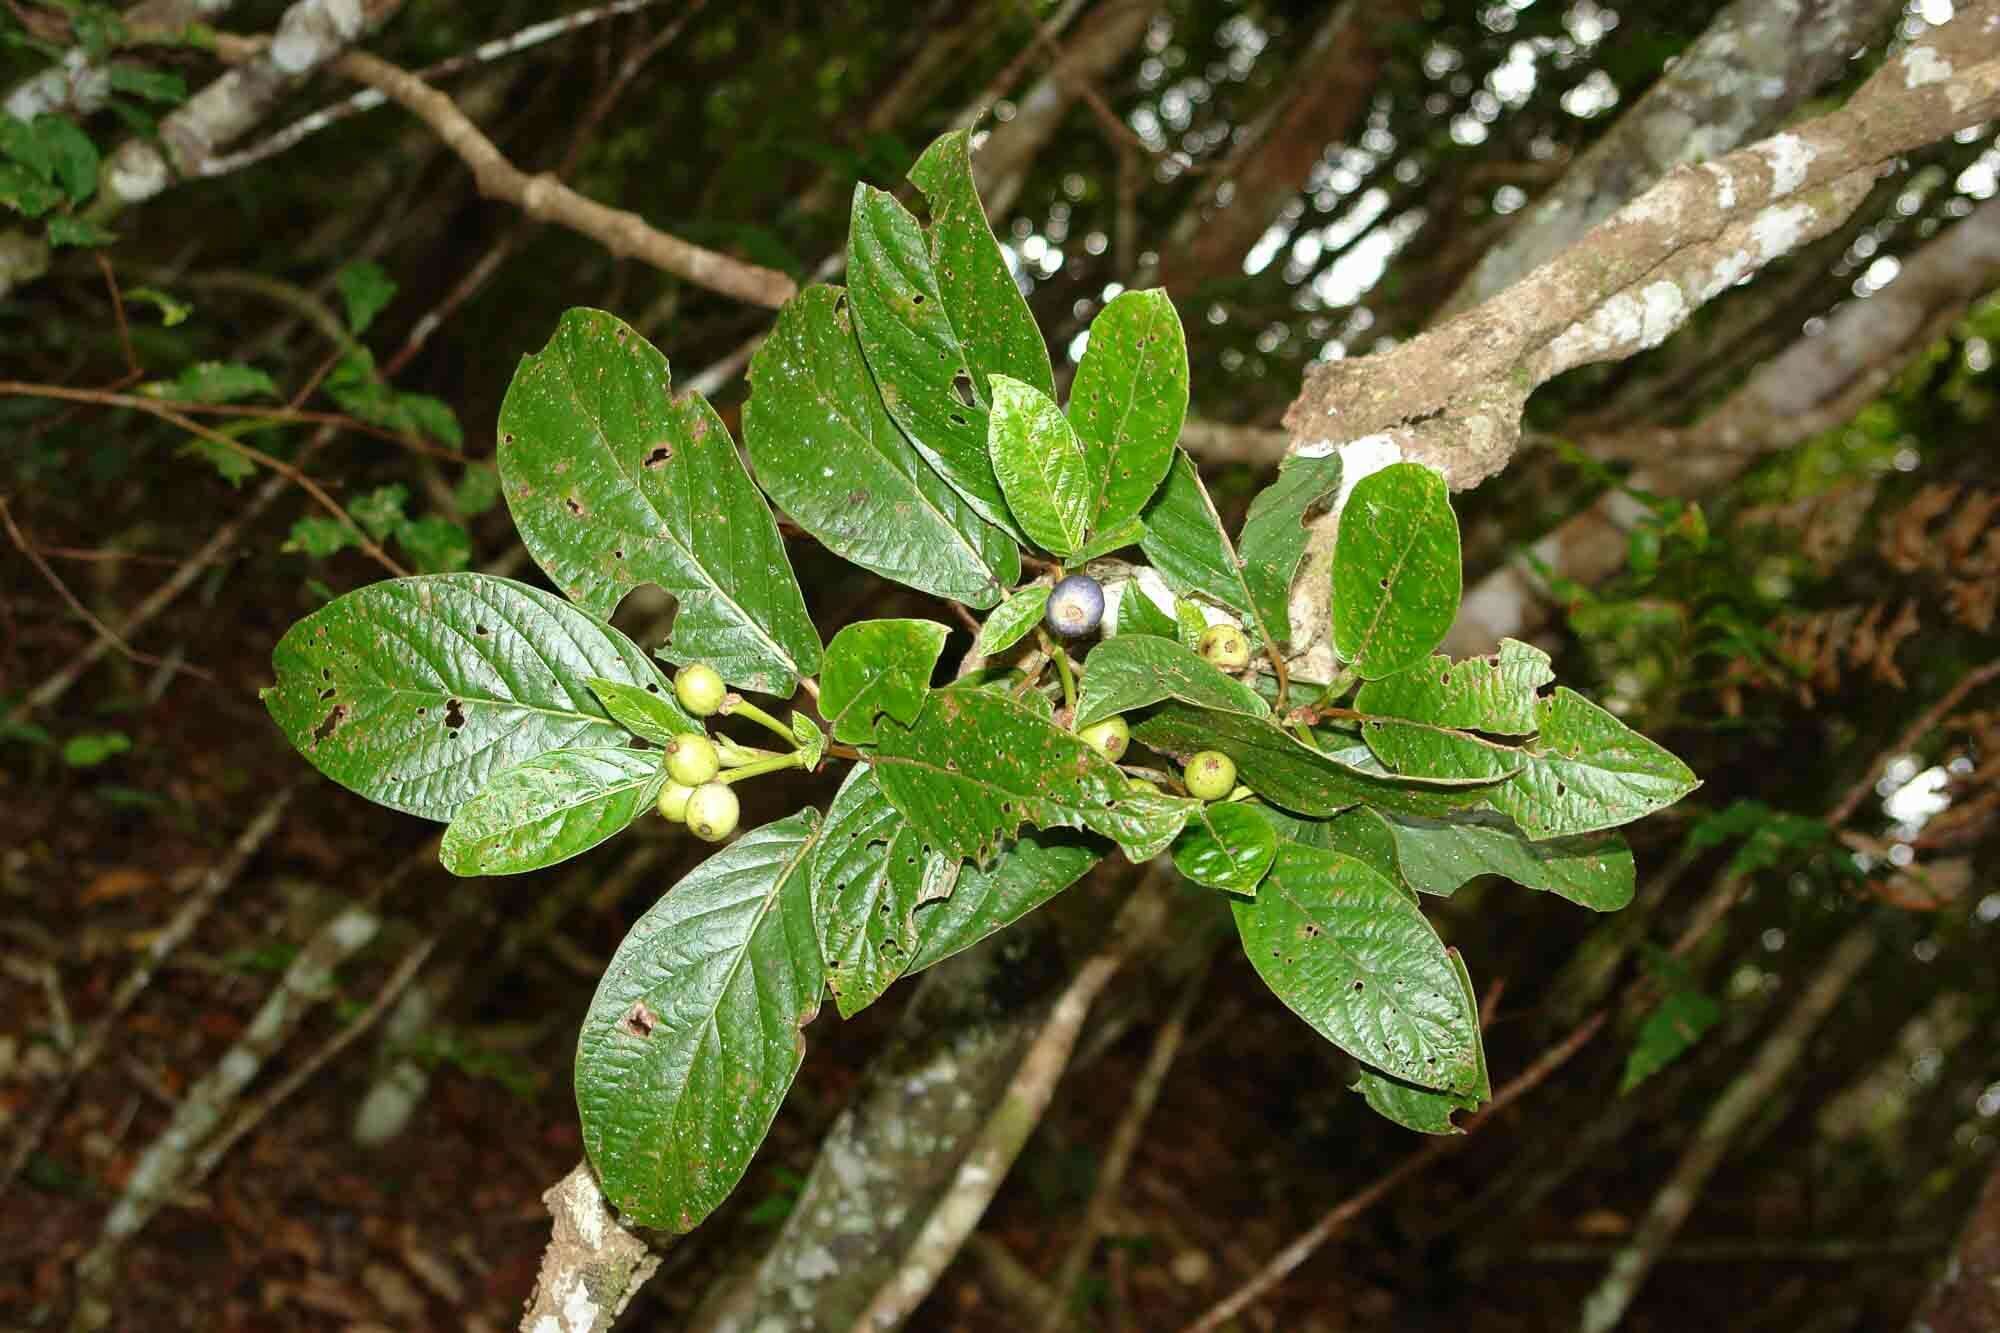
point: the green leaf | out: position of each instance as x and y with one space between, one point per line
1286 773
213 382
416 692
1396 577
1669 1032
26 192
1227 846
435 544
1127 533
1421 750
1421 1109
554 806
72 156
317 537
1495 694
366 288
23 143
613 482
229 464
976 765
478 490
381 510
1355 958
812 741
870 873
694 1035
1189 623
427 416
81 232
1128 402
1437 856
874 667
154 85
1010 621
1274 534
1184 540
1040 464
649 711
173 310
1140 614
1588 771
1132 671
91 748
1028 873
827 454
1359 833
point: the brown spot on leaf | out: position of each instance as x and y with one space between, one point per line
575 505
639 1021
660 455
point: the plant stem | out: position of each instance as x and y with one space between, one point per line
1061 656
736 756
741 707
796 759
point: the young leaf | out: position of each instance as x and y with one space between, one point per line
1355 958
827 453
1438 855
812 741
554 806
1421 1109
1031 870
1039 461
1184 540
1134 670
613 482
316 536
1227 846
868 876
416 692
1129 400
366 288
975 766
1011 620
1588 771
1189 624
1140 614
874 667
1274 535
1287 773
1396 577
693 1037
650 710
1668 1033
1495 694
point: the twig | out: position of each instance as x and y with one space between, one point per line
593 1266
1917 730
263 415
132 370
206 894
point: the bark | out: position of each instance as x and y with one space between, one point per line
1756 63
593 1265
77 84
1967 1296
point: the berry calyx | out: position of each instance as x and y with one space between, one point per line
699 688
1109 737
1224 646
712 811
1076 606
674 801
1210 775
692 760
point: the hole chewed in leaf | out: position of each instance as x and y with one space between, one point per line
454 714
574 505
660 455
332 723
639 1021
961 387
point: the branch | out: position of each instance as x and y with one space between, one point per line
1967 1298
75 83
594 1264
1908 741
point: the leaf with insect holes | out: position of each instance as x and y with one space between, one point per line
869 876
1587 771
1593 870
650 710
975 766
1493 694
1396 576
1032 869
416 692
1274 534
1039 462
613 482
1010 621
694 1035
874 667
1133 671
1128 402
827 454
554 806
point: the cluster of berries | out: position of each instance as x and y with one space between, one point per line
693 796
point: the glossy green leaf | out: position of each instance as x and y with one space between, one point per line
1039 461
1140 614
1186 543
976 765
554 806
415 692
1111 539
827 454
1494 694
1669 1032
1129 400
1011 621
812 741
693 1037
1438 855
1274 534
1588 771
648 710
1226 846
1355 958
1286 773
1396 576
1189 623
1360 833
614 482
869 875
874 667
1135 670
1026 874
1421 750
1422 1109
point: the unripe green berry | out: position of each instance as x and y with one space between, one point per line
699 688
1109 737
674 801
712 811
1224 646
1210 775
692 760
1143 784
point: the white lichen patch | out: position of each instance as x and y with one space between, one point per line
1725 186
1789 157
1778 230
1922 65
1625 323
1363 458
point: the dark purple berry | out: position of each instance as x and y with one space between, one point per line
1076 606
